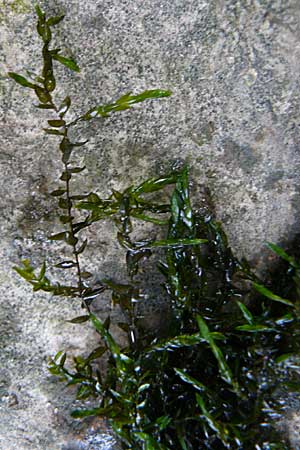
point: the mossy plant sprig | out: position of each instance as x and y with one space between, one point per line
211 380
44 86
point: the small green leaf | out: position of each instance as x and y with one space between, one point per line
81 225
58 237
162 421
63 360
246 313
85 274
90 294
282 358
58 192
41 15
280 252
56 123
219 428
224 369
78 196
54 370
42 94
21 80
44 31
154 184
70 239
42 272
80 144
53 131
66 176
79 319
174 243
183 340
149 443
254 328
82 247
44 106
97 353
70 63
66 148
64 106
190 380
124 102
50 82
55 20
181 441
287 318
68 264
77 170
146 218
269 294
143 387
28 276
112 345
58 355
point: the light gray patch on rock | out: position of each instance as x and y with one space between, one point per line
242 156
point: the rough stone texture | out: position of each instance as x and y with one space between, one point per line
233 66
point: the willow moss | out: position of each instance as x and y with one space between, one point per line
229 343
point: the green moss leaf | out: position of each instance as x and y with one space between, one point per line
56 123
109 340
69 63
53 132
124 102
58 236
67 264
55 20
42 94
246 313
269 294
64 106
224 369
41 15
58 192
174 243
21 80
79 319
82 247
155 184
66 176
258 328
77 170
190 380
44 106
280 252
66 148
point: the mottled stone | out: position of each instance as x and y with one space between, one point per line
233 67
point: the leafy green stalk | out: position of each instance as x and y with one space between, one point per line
44 87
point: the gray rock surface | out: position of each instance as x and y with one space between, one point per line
233 67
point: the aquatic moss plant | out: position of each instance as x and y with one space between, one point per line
210 380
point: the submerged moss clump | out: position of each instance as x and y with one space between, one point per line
231 343
211 381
